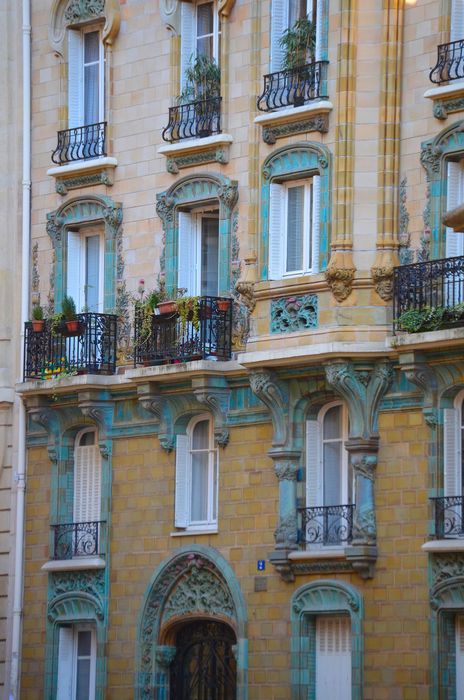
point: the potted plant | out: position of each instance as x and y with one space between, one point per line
37 318
223 304
68 308
188 309
203 88
169 306
298 43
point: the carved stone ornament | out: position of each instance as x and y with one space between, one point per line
165 208
228 194
218 403
286 534
318 123
286 470
441 108
246 290
273 394
340 281
69 13
364 465
190 160
201 591
165 655
291 314
383 282
170 12
446 567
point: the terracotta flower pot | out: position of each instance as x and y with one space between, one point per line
167 307
223 304
38 325
72 326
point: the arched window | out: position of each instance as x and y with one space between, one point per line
196 476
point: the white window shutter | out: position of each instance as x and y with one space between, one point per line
65 664
457 20
186 253
87 484
187 38
319 25
459 626
315 222
313 485
181 515
276 230
333 657
75 79
454 197
74 265
451 453
279 23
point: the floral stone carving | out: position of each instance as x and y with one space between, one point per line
81 10
199 591
293 314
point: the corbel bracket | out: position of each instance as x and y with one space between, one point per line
273 393
214 393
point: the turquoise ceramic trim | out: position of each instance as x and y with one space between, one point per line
74 213
447 145
156 597
309 601
446 599
191 192
295 161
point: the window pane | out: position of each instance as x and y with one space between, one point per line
83 679
92 276
91 94
209 256
205 46
296 10
333 423
205 19
91 47
87 438
332 473
200 436
84 643
295 224
199 505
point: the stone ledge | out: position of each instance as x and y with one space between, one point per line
74 564
192 152
443 546
351 559
446 98
167 373
317 352
295 120
194 533
83 173
448 337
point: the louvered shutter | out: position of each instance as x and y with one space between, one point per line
74 269
186 254
313 480
459 626
279 23
454 197
276 230
451 453
75 80
92 273
333 657
187 38
87 484
319 25
315 222
181 517
457 20
65 664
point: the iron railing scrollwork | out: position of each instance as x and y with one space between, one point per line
54 351
80 143
433 289
450 63
326 525
449 521
169 338
77 540
294 87
194 120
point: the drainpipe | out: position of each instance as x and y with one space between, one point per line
20 408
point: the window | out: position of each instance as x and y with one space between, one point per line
76 663
200 33
451 654
333 657
457 20
294 215
85 78
85 269
454 197
198 253
284 14
329 479
87 478
196 476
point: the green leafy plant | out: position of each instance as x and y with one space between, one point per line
68 308
37 313
188 309
145 305
56 322
427 319
298 43
202 79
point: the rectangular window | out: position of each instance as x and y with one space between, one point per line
333 657
86 65
198 253
200 33
85 269
76 663
284 14
294 228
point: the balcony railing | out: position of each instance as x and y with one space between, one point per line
55 351
194 120
80 143
450 63
326 525
429 295
77 540
449 522
171 339
294 87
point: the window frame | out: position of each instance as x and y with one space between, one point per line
71 665
80 76
83 233
216 33
347 497
97 466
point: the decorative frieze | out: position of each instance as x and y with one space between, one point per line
174 163
79 11
291 314
102 177
441 108
319 122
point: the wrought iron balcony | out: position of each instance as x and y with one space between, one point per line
326 525
429 296
450 63
77 540
294 87
449 522
57 351
194 120
167 338
81 143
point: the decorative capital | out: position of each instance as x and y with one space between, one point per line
99 408
286 470
112 215
215 396
165 208
286 534
272 392
364 465
228 194
383 282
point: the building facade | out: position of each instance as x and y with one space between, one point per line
257 492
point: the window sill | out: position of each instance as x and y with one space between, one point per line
437 546
428 339
295 120
77 564
350 559
446 98
193 152
83 173
190 533
321 553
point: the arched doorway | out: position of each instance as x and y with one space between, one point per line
204 667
